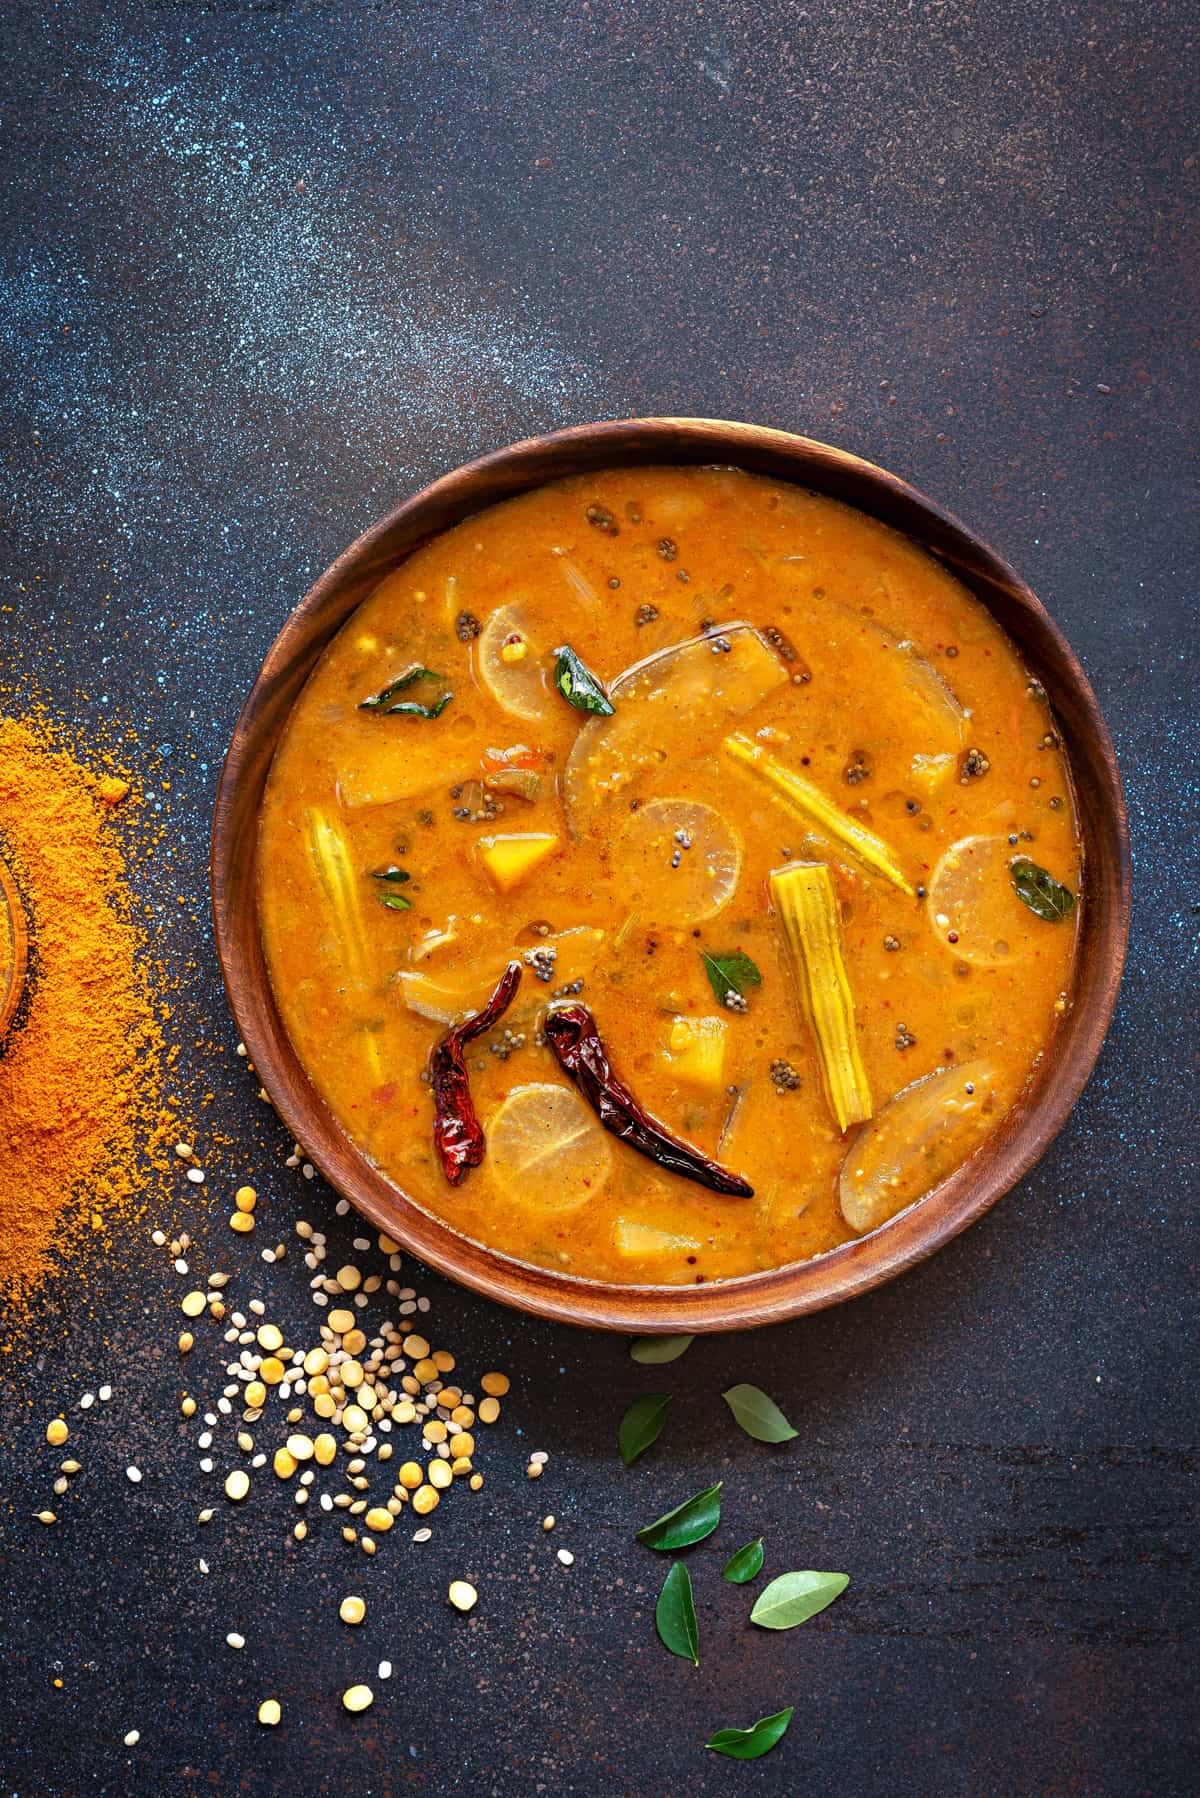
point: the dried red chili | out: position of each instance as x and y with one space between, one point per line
457 1132
572 1034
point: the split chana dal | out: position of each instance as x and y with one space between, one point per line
669 874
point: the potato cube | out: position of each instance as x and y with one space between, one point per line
696 1051
509 860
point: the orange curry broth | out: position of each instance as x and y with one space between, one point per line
896 673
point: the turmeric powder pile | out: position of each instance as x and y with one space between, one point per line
81 1065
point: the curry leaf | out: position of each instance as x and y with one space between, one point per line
578 685
656 1351
758 1415
748 1744
395 901
641 1425
731 973
689 1522
795 1597
1046 897
745 1565
385 700
675 1615
393 875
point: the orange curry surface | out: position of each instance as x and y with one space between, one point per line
782 873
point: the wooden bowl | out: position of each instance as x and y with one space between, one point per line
753 1298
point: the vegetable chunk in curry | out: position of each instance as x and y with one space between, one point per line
669 874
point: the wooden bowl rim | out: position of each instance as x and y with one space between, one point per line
750 1299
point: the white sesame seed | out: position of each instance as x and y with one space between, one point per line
234 1640
566 1557
196 1176
87 1401
385 1670
105 1394
132 1738
134 1474
203 1564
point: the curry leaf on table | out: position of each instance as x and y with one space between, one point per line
748 1744
579 686
656 1351
642 1424
795 1597
730 974
745 1564
692 1521
675 1615
1046 897
758 1415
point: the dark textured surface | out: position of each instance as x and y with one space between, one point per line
265 270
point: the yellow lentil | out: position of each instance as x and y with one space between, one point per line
256 1395
269 1712
358 1698
352 1609
439 1474
237 1484
378 1519
489 1410
56 1432
192 1304
242 1222
462 1596
495 1384
425 1499
245 1198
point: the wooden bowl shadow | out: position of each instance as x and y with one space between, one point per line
779 1293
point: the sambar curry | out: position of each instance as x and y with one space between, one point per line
669 874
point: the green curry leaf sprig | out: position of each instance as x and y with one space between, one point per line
730 976
390 705
579 686
1046 897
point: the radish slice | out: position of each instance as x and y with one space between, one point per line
707 681
920 1136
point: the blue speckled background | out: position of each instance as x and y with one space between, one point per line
266 268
